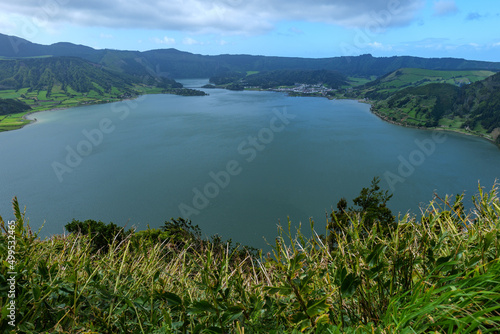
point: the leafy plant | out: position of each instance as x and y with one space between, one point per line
371 209
102 235
440 273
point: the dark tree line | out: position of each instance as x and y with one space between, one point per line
12 106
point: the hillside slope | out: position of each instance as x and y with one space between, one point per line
473 108
482 102
62 82
43 73
414 77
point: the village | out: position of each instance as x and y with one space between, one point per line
299 89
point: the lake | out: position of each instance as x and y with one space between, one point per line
235 163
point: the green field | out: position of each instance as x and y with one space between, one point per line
414 77
359 81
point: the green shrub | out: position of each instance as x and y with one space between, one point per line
102 235
438 273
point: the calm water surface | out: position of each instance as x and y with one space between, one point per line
236 162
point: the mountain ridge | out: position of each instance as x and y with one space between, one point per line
175 63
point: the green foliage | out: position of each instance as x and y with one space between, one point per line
12 106
101 235
185 92
278 78
224 77
235 86
415 77
443 97
440 273
469 108
44 73
181 231
371 208
63 82
482 102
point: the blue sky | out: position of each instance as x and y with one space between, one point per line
297 28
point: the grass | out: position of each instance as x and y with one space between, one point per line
416 77
359 81
440 273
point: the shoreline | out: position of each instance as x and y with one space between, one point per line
369 102
382 117
385 119
33 121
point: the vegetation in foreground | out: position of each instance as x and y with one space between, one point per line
440 273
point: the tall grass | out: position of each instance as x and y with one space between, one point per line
438 273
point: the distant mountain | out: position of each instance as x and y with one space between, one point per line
177 64
15 47
69 73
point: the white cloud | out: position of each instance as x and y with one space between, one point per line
450 45
379 46
106 36
164 40
205 16
190 41
431 43
445 7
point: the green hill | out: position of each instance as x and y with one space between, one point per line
280 78
420 106
480 104
68 73
62 82
414 77
473 108
332 79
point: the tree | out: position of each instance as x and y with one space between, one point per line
182 232
372 209
102 234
